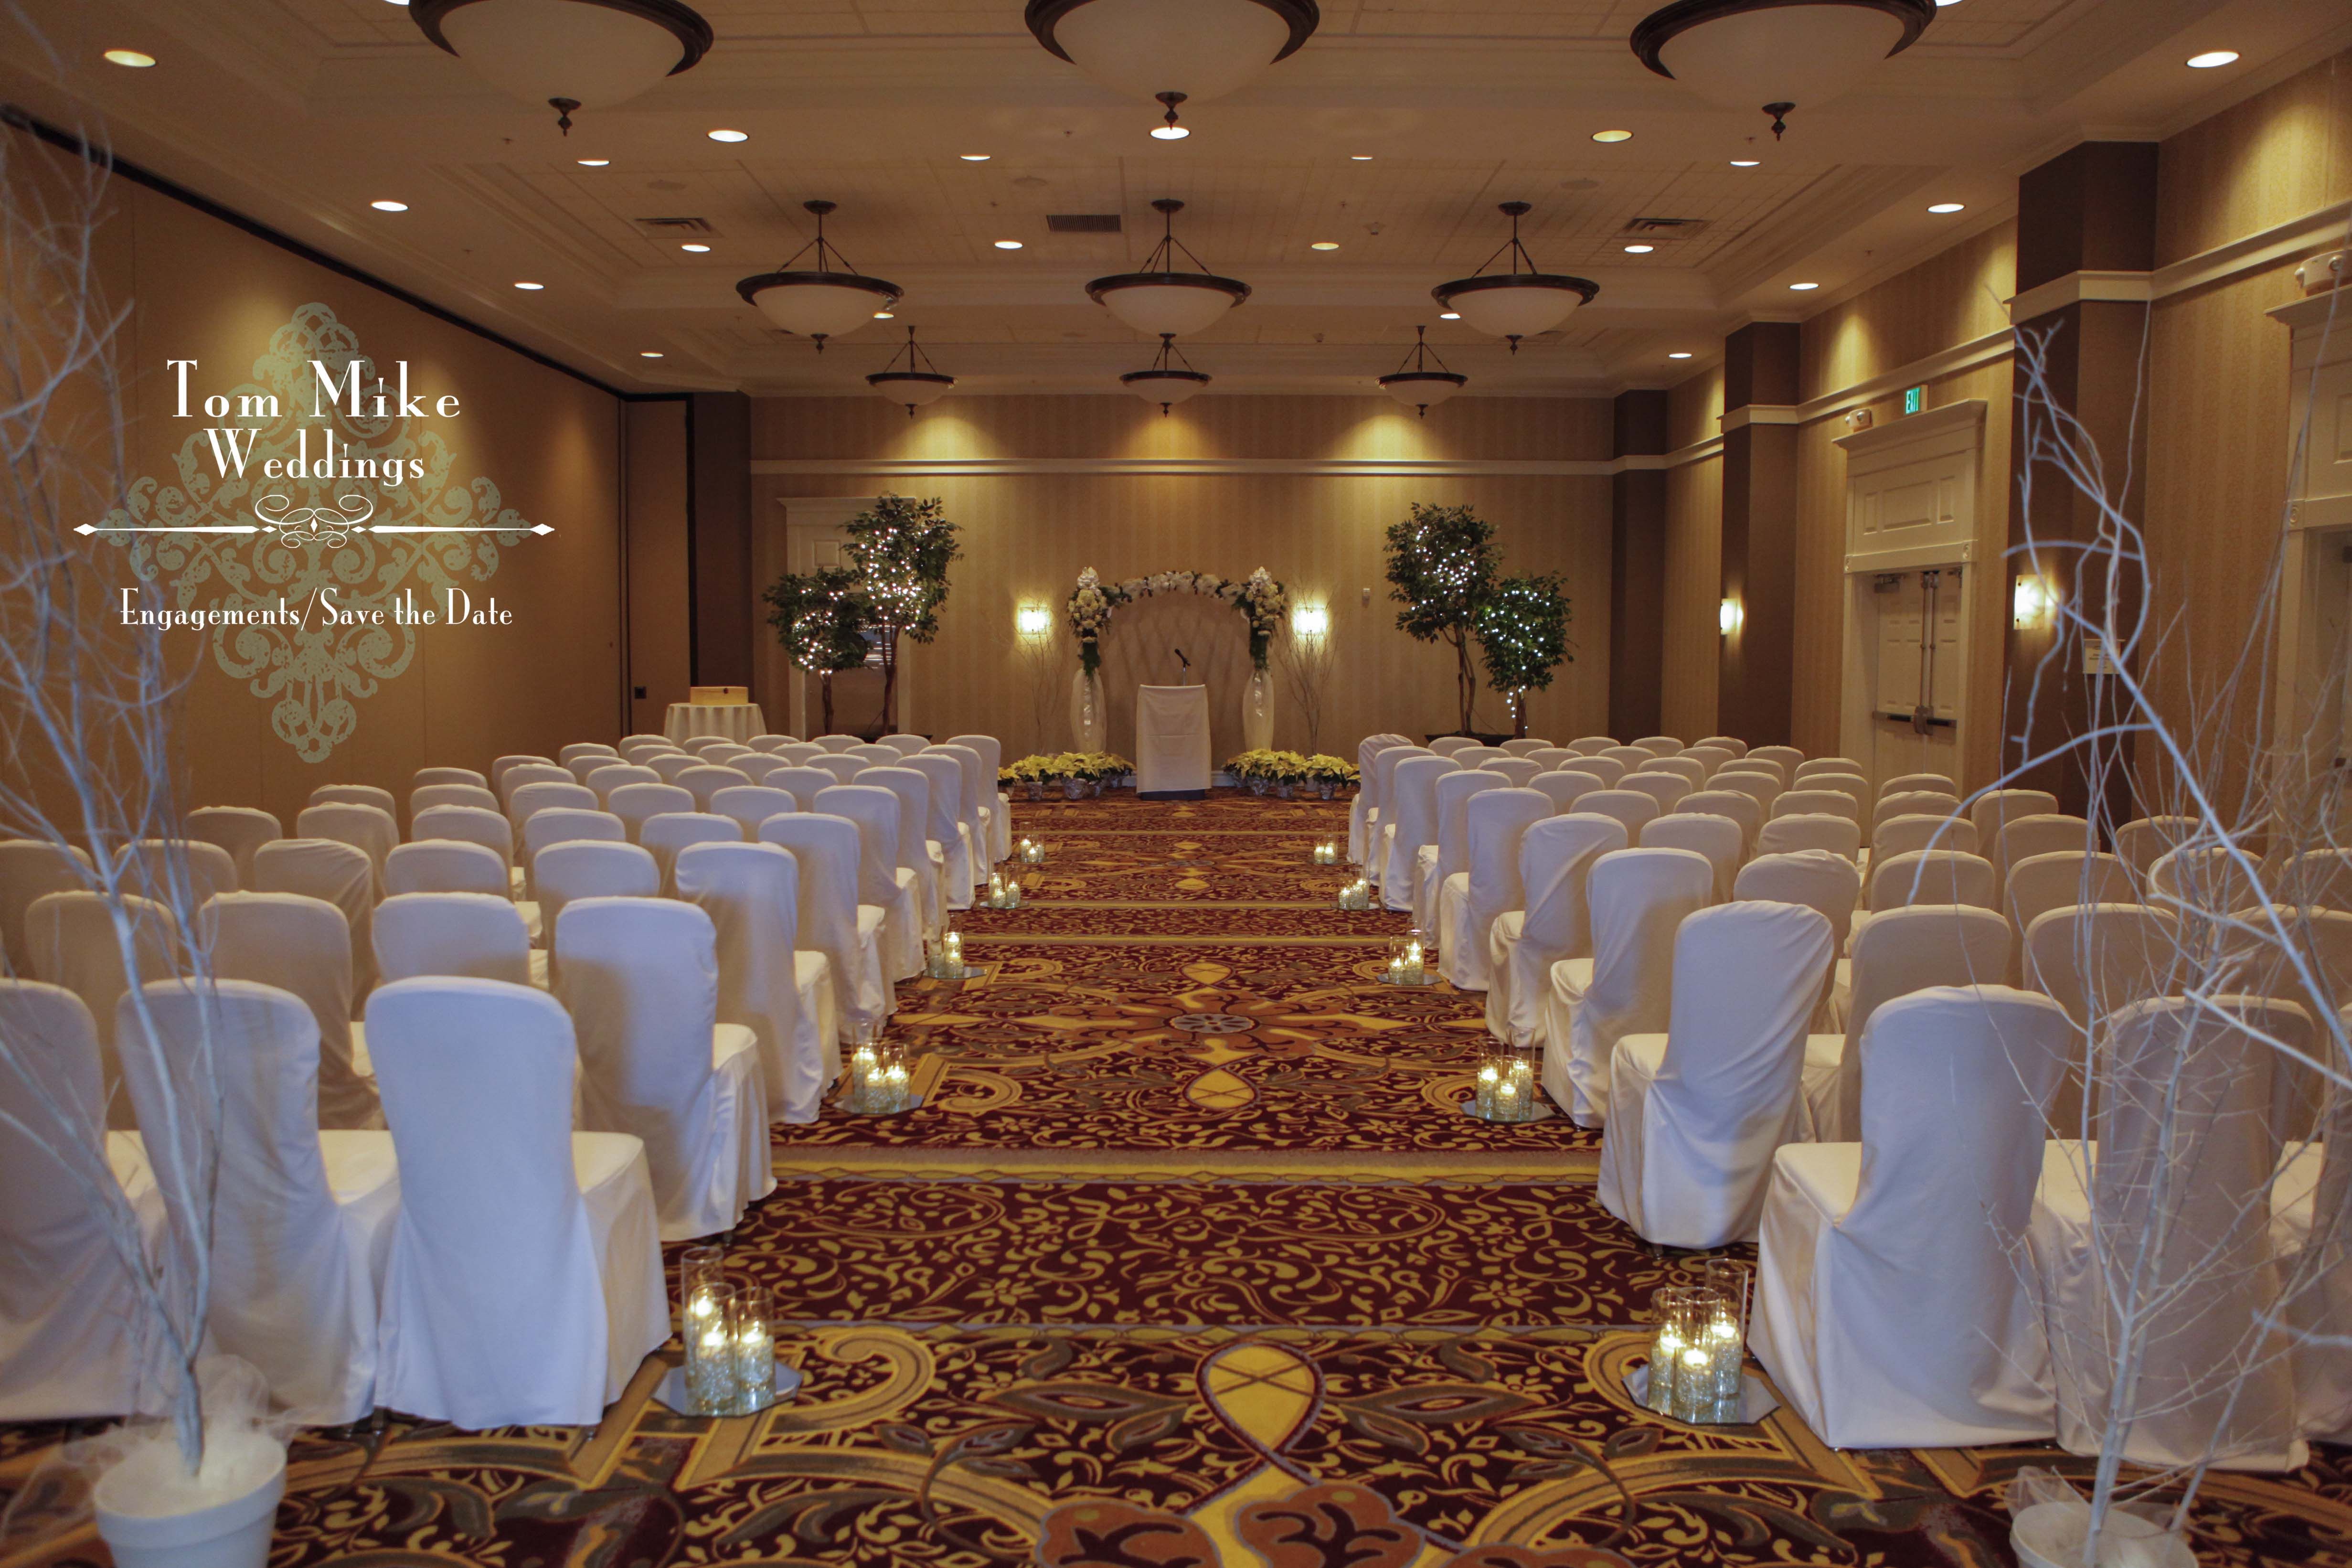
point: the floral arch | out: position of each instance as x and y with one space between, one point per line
1260 598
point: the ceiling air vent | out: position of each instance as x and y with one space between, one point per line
1666 228
1083 223
676 226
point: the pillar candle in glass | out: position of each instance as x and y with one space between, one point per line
711 1353
754 1365
1670 1312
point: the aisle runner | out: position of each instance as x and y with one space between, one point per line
1134 1294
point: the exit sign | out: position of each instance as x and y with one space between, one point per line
1914 400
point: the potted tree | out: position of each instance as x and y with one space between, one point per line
821 620
899 549
1441 568
1523 634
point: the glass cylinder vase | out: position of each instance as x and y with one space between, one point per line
1089 718
1257 712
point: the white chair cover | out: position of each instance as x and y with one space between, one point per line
672 765
878 754
666 834
1516 770
239 829
525 801
833 921
477 1085
1667 789
2169 1229
1698 1112
367 829
301 1220
876 812
1995 807
1932 877
424 798
71 940
641 752
355 794
946 826
1790 758
181 873
1888 1305
2205 879
468 824
752 893
1903 783
1527 745
570 827
1549 757
640 978
637 804
69 1315
1737 747
1659 745
1555 858
842 767
1590 745
2097 959
751 805
1809 800
1717 838
2318 877
1737 804
703 783
1448 853
424 776
2022 836
588 765
1912 802
1709 758
1748 779
1898 953
499 767
1630 807
1633 759
1000 805
1564 789
700 745
592 869
300 945
1811 830
338 874
1901 835
1637 899
767 745
445 866
1816 878
800 753
451 934
1476 899
2312 967
566 755
1608 770
522 773
803 784
1688 769
605 780
977 801
2141 843
919 855
2039 883
1448 745
1413 792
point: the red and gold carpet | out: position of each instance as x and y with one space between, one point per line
1188 1259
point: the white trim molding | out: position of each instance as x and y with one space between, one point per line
2077 288
1990 349
1335 467
1759 413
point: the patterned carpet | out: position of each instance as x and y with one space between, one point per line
1187 1259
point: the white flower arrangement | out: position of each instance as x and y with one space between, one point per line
1264 600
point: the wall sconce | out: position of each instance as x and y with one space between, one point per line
2031 603
1033 620
1727 616
1311 622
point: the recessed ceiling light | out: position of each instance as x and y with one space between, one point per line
1360 157
389 207
1804 288
884 316
1680 353
1613 136
1170 133
697 249
530 287
1746 163
1640 250
730 136
1945 209
974 157
1449 315
594 163
1008 245
138 61
1325 244
649 353
1943 3
2212 59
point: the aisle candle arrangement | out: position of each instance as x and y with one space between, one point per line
1003 891
1505 1088
944 957
1326 853
880 1081
1032 852
730 1334
1356 895
1698 1349
1408 961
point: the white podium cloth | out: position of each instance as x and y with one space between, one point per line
640 978
2183 1155
752 894
1888 1305
1696 1113
342 876
737 722
68 1312
1638 897
74 944
1899 952
833 921
302 945
1555 858
1498 820
302 1220
535 1309
1171 738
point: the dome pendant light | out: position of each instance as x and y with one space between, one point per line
567 54
1164 383
1201 48
823 303
1781 54
919 385
1519 303
1414 384
1162 300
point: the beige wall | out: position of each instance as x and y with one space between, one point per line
1027 535
660 649
1693 561
196 288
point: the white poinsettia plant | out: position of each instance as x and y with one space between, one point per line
1264 600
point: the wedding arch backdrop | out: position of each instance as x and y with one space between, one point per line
1264 604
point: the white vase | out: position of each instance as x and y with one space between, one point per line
2050 1535
1257 712
232 1533
1090 725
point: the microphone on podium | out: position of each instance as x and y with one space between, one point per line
1187 664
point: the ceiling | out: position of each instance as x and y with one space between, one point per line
300 112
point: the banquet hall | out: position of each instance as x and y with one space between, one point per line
1147 784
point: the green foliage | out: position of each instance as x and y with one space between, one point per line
1441 568
899 550
820 618
1523 632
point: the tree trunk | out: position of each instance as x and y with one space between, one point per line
825 685
890 682
1519 715
1465 681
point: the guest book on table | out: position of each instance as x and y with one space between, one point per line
717 696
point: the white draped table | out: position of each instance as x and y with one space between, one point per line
738 721
1171 739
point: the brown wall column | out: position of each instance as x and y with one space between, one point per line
2090 209
1637 570
1760 530
720 594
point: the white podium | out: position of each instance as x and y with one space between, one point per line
1171 740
